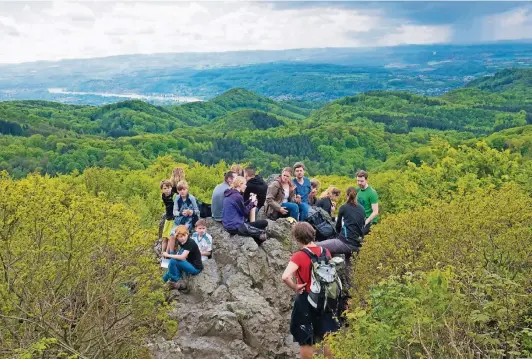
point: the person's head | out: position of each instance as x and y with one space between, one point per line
286 175
299 170
229 176
180 233
314 183
351 195
303 233
332 193
178 174
249 173
362 179
182 188
166 187
237 169
201 227
239 183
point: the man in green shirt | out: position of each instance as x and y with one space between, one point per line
368 198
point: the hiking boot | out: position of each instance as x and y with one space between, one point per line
179 285
263 237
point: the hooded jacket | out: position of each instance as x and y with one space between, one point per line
259 187
234 211
275 197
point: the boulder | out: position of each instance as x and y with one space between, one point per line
238 306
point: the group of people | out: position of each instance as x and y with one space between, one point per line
239 200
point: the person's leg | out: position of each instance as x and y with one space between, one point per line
174 273
336 246
260 224
187 267
306 351
293 209
303 211
249 230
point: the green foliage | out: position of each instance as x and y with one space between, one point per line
79 278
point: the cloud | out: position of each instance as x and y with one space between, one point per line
62 30
510 25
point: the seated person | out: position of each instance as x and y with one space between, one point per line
312 196
280 197
303 189
255 184
187 260
328 198
235 211
186 209
178 175
218 195
203 239
350 235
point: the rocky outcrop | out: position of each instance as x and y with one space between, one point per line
237 307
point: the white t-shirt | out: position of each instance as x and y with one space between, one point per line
204 243
286 194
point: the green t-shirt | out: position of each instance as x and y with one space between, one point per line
367 197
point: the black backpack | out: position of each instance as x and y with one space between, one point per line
205 210
322 223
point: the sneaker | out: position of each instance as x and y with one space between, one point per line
179 285
263 237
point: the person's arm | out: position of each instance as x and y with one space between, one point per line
374 200
242 209
339 220
270 197
289 276
181 256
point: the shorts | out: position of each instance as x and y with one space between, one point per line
168 225
306 325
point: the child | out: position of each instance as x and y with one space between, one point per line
187 260
186 209
166 195
314 184
178 175
203 239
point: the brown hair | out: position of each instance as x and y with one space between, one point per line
298 165
178 175
314 183
362 173
287 169
201 223
352 196
250 171
237 182
165 183
236 169
303 232
332 190
181 185
181 230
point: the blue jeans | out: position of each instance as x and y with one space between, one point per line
303 211
293 209
177 266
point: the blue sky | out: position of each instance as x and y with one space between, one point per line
59 30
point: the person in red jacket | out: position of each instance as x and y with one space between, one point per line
307 326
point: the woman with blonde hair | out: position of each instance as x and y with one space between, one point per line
328 199
178 175
235 211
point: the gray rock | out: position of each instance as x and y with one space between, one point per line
237 307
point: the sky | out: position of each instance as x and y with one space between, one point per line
34 31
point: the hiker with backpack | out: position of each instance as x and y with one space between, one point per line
350 228
311 273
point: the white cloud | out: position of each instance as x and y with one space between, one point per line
510 25
62 30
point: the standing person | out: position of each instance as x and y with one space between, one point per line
178 175
351 231
203 239
328 199
312 196
307 325
217 199
166 195
302 188
280 197
187 260
186 209
368 199
235 212
255 184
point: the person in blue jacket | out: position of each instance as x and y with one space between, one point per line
303 189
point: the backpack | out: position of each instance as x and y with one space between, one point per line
322 223
325 284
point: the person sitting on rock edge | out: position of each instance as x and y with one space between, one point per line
255 184
302 189
327 198
314 185
235 212
203 239
218 195
186 209
187 260
306 325
280 197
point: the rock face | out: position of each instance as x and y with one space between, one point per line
237 307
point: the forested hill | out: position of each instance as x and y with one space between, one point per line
369 130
